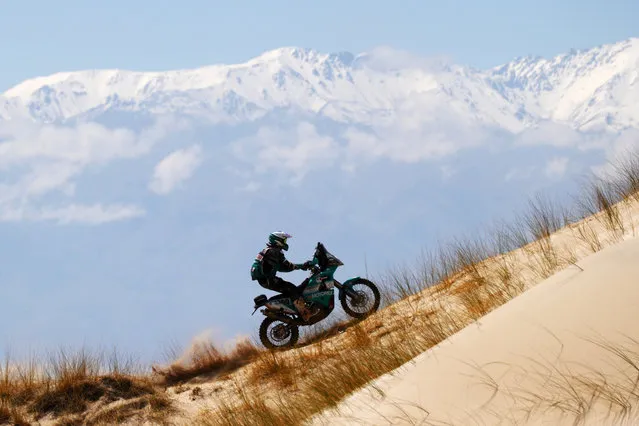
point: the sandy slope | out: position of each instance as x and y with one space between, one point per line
543 322
437 380
514 345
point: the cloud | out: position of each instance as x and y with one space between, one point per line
251 187
403 145
386 58
412 137
295 151
174 169
549 133
84 144
93 214
560 135
447 172
519 173
44 160
74 213
556 168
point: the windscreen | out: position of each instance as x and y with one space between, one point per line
326 259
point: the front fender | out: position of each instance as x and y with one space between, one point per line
348 284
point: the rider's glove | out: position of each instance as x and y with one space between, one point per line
307 265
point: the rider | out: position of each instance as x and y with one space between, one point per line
272 260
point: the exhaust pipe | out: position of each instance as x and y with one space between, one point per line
279 317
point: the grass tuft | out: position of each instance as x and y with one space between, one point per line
204 358
68 385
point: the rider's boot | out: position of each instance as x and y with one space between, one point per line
313 310
300 304
304 310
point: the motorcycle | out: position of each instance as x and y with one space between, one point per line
358 296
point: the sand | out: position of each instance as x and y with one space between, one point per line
495 370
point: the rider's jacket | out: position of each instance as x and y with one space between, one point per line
269 262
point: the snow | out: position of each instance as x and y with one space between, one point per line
567 87
589 90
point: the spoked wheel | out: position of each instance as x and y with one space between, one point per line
364 302
276 334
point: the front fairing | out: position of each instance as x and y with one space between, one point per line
322 281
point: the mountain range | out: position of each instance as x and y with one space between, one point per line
589 90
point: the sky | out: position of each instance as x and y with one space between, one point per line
43 37
139 233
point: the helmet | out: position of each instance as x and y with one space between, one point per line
278 239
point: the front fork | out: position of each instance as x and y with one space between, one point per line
346 289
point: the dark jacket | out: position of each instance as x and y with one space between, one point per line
269 262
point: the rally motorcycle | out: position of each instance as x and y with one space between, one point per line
359 297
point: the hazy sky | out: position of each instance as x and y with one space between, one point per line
43 37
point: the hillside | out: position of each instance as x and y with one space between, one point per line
546 297
564 350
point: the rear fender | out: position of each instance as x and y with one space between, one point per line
259 302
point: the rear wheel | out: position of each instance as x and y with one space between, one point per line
276 334
364 302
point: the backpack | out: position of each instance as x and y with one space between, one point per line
256 268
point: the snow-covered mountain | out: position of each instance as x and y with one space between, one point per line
596 89
591 90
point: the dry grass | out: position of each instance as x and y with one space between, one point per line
453 286
544 258
555 391
587 235
152 407
581 394
399 283
290 387
624 175
544 217
11 415
601 200
312 379
329 328
205 360
68 384
605 195
274 367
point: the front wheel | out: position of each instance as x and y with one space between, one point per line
276 334
364 302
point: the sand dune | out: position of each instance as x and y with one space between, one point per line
515 363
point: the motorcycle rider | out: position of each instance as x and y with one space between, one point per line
271 260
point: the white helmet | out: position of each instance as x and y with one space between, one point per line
278 239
